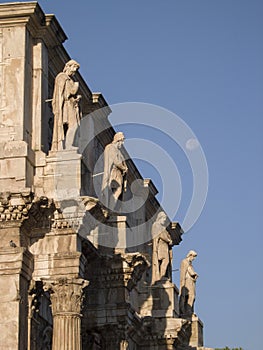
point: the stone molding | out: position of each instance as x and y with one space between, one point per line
63 221
21 206
15 206
31 14
17 260
30 216
127 272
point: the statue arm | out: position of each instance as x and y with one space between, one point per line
165 237
192 272
118 159
71 87
119 162
122 166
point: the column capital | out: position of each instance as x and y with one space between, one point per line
66 295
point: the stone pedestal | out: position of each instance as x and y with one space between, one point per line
66 298
112 234
60 177
119 229
164 300
196 338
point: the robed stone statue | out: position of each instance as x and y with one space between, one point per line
115 169
188 278
161 253
65 107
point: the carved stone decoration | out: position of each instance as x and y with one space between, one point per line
42 211
138 264
188 279
38 220
15 206
95 208
161 254
115 169
62 221
66 295
66 299
27 212
69 214
65 106
127 272
21 206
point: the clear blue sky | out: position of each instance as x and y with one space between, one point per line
202 60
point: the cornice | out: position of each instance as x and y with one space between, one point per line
31 15
54 29
19 9
21 13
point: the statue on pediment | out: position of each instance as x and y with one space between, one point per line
65 107
188 278
161 254
115 170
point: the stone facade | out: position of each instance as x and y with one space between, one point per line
70 276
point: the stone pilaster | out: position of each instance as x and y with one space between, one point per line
66 299
16 266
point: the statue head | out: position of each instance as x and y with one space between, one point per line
71 67
118 139
191 255
161 217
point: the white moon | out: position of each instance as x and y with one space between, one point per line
192 144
